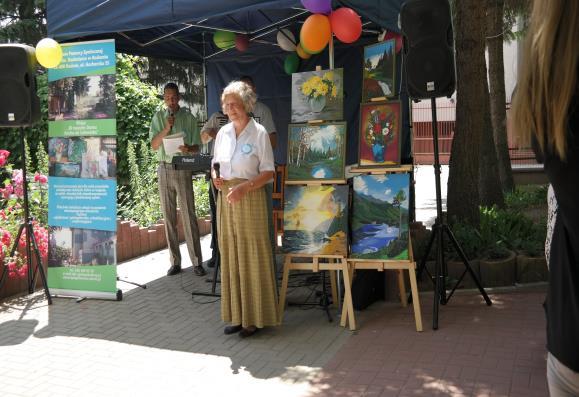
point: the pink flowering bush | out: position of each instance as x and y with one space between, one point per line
12 216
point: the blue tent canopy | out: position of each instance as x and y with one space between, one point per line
183 30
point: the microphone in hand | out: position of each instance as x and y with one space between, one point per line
217 168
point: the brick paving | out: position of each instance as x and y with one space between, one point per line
161 342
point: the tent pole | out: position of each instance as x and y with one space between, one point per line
205 80
331 52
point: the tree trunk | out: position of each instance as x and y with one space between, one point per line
495 38
463 194
490 191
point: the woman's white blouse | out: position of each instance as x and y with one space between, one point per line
245 156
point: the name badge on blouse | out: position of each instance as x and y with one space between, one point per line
246 148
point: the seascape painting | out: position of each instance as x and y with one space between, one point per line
379 139
316 220
318 95
380 217
316 151
379 71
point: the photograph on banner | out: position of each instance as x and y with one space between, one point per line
83 157
318 95
315 220
82 203
81 247
82 97
379 71
379 139
81 90
380 217
316 151
82 260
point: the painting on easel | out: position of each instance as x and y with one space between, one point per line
316 220
379 70
318 95
316 151
379 139
380 217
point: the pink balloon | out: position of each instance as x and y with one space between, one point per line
346 24
241 42
395 36
318 6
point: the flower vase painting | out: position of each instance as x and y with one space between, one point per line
379 144
379 70
318 95
316 220
316 152
380 217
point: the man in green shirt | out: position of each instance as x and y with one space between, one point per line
177 184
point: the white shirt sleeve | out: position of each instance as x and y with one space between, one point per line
266 161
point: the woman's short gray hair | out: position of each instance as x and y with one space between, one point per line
243 91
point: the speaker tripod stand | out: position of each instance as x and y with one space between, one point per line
31 244
438 230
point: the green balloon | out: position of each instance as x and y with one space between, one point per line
292 63
223 39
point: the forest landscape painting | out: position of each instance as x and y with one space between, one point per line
380 217
379 70
316 151
316 220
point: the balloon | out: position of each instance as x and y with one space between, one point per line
241 42
48 53
315 33
301 53
395 36
286 40
291 63
318 6
223 39
346 24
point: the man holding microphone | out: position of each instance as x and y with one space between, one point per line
177 184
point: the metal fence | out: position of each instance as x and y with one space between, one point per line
423 142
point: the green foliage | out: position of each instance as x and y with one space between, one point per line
136 104
201 192
500 231
139 201
41 158
23 21
522 198
369 209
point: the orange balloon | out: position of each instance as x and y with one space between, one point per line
315 34
301 53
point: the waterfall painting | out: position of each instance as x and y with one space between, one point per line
379 71
316 152
380 217
315 220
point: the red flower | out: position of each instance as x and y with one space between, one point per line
4 153
376 128
2 161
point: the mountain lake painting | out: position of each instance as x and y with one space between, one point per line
316 220
316 152
380 217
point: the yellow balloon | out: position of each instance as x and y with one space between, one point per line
302 54
48 53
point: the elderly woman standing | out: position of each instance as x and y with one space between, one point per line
245 157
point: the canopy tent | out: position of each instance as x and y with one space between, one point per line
182 30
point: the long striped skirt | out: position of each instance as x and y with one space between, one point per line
247 276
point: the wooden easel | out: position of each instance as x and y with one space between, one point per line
335 263
400 266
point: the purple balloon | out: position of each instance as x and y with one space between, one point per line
318 6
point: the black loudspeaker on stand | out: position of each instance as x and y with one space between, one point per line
19 107
430 73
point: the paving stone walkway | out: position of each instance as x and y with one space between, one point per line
160 342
